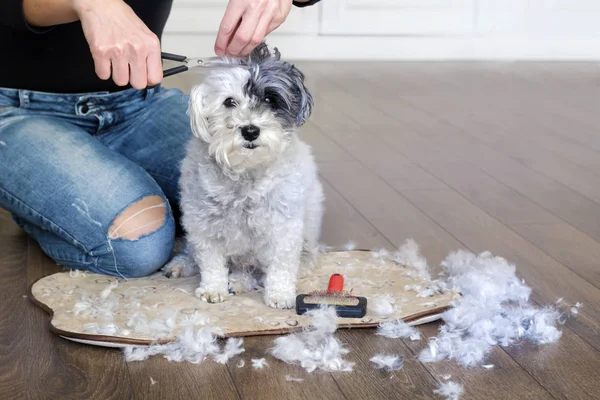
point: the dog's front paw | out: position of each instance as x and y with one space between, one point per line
281 300
180 266
212 295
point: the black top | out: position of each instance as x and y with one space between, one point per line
58 59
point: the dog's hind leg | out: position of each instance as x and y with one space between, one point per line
312 230
181 264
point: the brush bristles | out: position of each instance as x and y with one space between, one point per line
331 300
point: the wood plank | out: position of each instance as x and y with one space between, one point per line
496 199
270 382
343 224
323 148
56 367
439 142
388 211
351 137
13 314
548 279
158 378
7 225
558 370
506 380
569 246
571 207
413 381
502 128
406 176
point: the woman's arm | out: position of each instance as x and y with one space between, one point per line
36 15
45 13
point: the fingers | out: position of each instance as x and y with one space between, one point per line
257 37
122 46
154 62
102 64
145 63
137 62
247 22
136 57
120 70
230 22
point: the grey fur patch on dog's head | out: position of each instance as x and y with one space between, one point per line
279 85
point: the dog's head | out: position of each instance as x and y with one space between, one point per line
249 115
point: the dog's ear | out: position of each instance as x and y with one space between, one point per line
305 98
195 112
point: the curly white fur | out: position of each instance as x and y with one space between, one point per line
249 204
494 309
315 347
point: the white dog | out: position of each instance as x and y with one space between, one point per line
250 195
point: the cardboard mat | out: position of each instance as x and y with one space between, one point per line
108 311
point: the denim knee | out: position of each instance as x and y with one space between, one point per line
143 256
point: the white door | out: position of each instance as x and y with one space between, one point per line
398 17
558 19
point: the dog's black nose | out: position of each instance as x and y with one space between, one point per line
250 132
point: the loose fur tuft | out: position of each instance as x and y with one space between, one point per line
449 390
494 309
314 348
387 362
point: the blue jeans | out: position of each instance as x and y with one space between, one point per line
70 164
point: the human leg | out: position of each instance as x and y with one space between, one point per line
87 206
155 137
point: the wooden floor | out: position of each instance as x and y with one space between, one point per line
502 157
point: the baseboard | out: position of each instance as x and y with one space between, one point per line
360 48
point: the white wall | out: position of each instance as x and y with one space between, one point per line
409 29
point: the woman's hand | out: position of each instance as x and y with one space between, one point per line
121 44
247 22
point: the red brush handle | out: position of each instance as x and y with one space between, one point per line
336 283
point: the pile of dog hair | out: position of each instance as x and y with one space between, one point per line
494 309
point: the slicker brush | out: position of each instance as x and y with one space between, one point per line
346 304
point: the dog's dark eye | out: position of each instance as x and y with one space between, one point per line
271 100
229 102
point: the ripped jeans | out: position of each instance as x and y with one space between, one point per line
93 177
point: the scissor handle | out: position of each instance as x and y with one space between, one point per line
173 57
174 70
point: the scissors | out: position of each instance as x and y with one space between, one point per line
210 62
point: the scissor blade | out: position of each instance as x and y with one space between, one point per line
213 63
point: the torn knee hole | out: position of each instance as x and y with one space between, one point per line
141 218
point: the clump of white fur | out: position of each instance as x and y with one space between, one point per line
102 306
232 348
259 363
450 390
382 305
387 362
409 254
494 309
350 246
315 347
398 329
194 346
